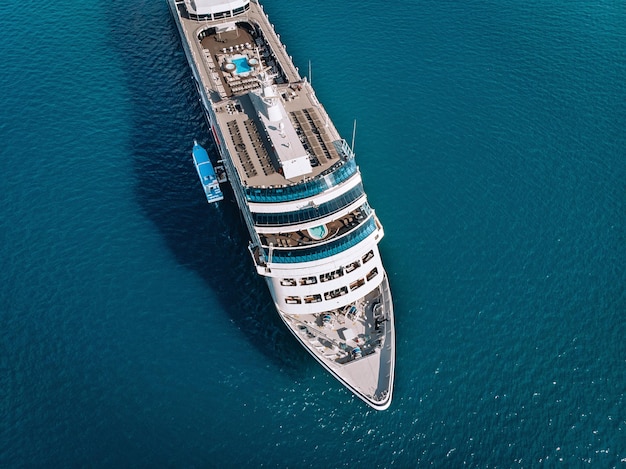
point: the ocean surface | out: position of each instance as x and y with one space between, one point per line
491 137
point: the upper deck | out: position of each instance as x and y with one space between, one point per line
276 131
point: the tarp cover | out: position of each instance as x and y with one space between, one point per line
207 7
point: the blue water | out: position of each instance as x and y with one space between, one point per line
241 65
318 232
135 332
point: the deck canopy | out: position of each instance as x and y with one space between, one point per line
292 157
214 7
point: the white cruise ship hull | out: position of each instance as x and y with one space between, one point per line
313 235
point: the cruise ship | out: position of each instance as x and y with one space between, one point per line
313 235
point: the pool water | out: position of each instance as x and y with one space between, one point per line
242 65
318 232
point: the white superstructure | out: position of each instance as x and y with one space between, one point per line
314 237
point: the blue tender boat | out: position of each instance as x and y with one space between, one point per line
206 173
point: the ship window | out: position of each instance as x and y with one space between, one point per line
313 299
288 282
373 273
355 265
308 280
329 295
331 275
359 283
293 300
368 256
313 213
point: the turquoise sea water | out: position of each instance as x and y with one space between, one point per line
491 139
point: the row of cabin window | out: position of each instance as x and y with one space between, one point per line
291 282
335 175
313 213
329 295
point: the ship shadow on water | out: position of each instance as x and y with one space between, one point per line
210 240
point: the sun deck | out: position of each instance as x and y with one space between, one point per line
230 56
333 229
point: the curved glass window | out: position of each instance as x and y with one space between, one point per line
304 189
309 213
327 249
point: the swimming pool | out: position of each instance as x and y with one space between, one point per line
318 232
242 65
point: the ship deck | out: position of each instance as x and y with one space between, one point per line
229 93
337 333
356 343
336 228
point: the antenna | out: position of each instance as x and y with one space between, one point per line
269 260
353 135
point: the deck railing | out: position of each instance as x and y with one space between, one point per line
321 251
310 213
310 188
